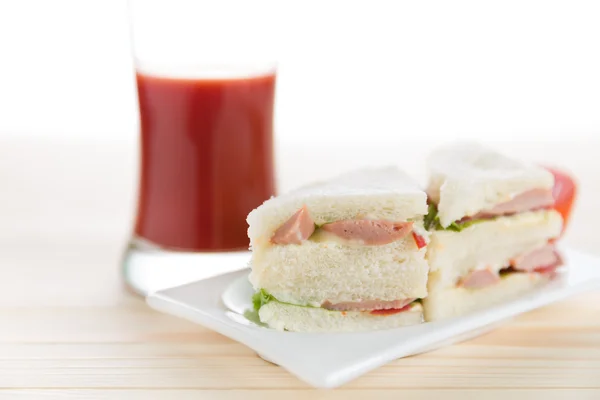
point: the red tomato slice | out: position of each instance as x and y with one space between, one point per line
392 311
564 193
546 270
419 240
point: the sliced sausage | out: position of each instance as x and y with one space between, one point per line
296 229
479 279
370 232
546 256
530 200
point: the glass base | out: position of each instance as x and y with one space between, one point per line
148 268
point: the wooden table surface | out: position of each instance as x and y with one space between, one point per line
74 331
70 330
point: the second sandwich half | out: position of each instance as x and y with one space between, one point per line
493 230
342 255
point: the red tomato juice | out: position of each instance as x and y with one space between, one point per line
206 159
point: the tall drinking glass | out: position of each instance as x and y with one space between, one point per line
206 84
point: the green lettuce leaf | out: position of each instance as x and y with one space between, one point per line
459 226
432 222
261 298
431 219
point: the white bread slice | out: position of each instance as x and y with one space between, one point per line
313 272
490 244
310 319
466 178
379 193
447 302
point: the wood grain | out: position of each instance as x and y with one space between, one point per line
69 330
338 394
116 347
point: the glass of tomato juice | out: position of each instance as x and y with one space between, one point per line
206 85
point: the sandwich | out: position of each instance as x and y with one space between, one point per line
493 229
342 255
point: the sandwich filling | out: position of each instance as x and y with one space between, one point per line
544 260
300 227
374 307
531 200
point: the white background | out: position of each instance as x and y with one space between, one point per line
389 70
360 82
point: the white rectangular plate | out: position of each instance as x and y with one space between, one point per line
327 360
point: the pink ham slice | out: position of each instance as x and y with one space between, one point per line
370 232
367 305
530 200
544 258
479 279
296 229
